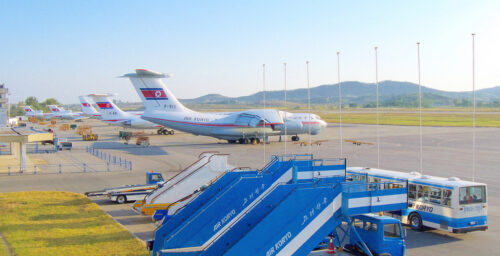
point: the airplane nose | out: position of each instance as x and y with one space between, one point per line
323 124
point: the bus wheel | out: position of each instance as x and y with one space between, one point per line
416 221
121 199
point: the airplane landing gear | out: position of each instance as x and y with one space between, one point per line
165 131
243 141
295 138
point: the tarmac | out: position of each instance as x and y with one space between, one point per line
447 151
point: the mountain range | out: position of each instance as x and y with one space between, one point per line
391 93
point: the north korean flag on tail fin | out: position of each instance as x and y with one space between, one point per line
104 105
86 104
154 94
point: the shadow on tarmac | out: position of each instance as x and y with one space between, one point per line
426 238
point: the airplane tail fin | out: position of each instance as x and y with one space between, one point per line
87 108
54 108
28 110
153 92
106 107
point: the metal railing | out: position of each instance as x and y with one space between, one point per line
111 159
61 168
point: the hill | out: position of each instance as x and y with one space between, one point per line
391 93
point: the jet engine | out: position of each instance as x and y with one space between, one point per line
292 126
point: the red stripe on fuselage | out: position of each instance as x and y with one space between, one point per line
214 125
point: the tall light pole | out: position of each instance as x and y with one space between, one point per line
376 84
264 101
284 120
309 107
340 103
473 112
420 107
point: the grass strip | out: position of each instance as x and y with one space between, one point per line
61 223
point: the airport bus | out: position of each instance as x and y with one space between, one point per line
449 204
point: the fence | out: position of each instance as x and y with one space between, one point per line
111 159
63 168
112 163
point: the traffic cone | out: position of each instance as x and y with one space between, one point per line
331 249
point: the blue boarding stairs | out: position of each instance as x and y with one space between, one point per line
287 208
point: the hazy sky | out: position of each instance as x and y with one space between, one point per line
63 49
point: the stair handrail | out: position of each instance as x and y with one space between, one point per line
185 177
195 216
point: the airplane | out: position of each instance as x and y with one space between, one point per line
249 126
29 112
87 108
65 114
112 114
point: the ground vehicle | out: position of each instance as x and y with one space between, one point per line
382 234
62 144
130 193
448 204
90 137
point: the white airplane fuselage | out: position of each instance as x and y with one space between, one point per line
226 126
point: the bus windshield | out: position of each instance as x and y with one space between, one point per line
472 195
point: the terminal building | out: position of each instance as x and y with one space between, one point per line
13 141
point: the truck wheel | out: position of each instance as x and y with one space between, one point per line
415 221
121 199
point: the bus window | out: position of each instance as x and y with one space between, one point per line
472 195
447 197
436 195
422 193
370 226
412 191
392 230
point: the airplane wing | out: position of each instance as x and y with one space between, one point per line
245 119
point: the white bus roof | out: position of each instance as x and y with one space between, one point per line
415 177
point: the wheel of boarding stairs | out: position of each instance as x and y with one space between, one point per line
121 199
171 132
415 221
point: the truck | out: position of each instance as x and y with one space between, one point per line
130 193
63 144
383 235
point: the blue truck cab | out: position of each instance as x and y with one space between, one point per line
154 178
383 235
